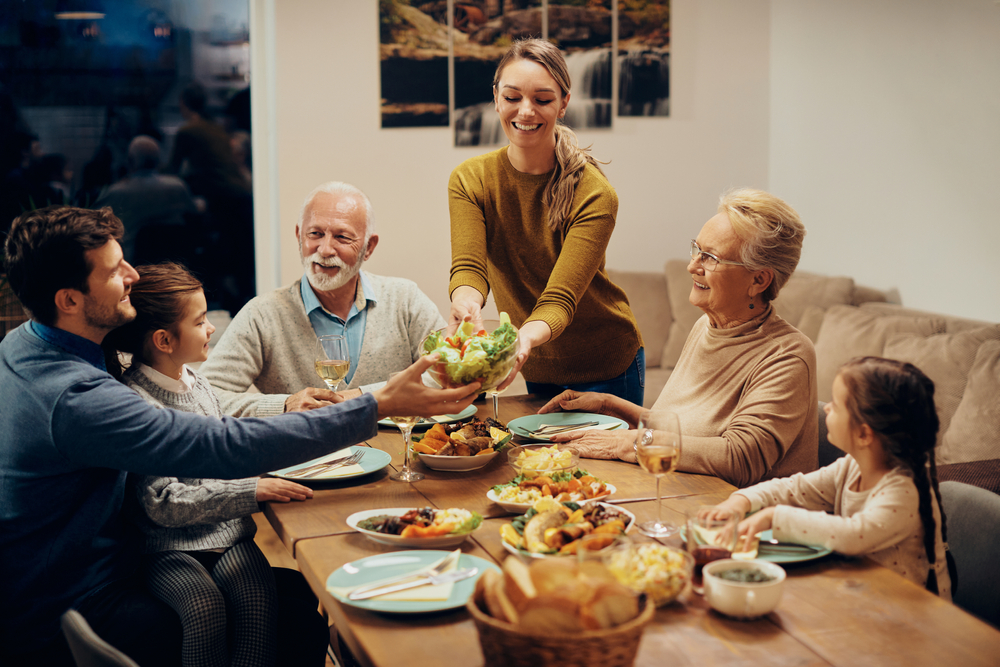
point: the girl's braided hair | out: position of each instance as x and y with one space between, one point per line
896 400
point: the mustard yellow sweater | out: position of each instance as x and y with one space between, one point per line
500 241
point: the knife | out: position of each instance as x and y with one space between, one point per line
425 580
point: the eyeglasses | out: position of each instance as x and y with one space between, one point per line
707 259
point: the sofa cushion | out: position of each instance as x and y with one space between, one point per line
805 289
974 433
647 296
849 331
952 324
946 359
811 322
685 315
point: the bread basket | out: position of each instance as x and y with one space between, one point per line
506 645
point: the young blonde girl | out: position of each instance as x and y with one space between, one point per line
201 558
882 498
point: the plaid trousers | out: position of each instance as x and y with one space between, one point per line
228 609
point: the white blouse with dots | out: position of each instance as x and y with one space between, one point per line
883 522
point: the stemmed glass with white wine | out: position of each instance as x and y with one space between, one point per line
334 363
405 424
658 448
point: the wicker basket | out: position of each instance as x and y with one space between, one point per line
505 645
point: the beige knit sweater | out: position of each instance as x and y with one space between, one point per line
883 522
747 400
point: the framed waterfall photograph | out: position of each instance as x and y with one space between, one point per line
644 58
413 64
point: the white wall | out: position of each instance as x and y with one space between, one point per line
325 125
885 135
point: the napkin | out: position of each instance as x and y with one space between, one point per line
599 427
429 593
337 472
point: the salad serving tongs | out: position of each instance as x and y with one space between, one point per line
550 429
432 570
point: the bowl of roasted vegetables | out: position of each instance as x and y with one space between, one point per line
416 527
464 446
470 352
551 528
578 486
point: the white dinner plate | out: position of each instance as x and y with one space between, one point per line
382 566
437 419
521 508
523 426
527 554
456 463
372 460
441 542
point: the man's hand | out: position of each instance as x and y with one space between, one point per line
311 398
281 490
574 400
600 444
406 394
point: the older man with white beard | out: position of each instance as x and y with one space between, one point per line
272 342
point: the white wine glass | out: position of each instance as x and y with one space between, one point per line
658 448
405 424
334 362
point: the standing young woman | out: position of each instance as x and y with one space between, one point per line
531 222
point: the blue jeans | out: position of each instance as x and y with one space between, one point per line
630 385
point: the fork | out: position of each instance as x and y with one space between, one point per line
306 473
434 569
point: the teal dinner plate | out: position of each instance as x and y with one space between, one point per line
778 555
371 461
382 566
522 426
440 419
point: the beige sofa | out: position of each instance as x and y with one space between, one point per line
845 320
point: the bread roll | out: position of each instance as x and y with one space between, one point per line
517 582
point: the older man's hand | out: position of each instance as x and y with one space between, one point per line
600 444
311 398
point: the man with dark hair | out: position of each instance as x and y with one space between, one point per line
69 431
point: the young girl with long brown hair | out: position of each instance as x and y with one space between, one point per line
531 222
882 498
201 558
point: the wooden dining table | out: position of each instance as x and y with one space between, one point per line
834 610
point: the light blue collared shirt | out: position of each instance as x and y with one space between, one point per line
325 323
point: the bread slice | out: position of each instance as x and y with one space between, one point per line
611 605
551 612
517 582
497 602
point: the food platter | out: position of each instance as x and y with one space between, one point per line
372 460
521 508
524 426
440 542
456 463
630 519
437 419
383 566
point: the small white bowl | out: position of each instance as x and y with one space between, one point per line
456 463
739 599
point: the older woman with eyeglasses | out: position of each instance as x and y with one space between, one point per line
745 384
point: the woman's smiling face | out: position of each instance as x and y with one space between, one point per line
725 292
529 102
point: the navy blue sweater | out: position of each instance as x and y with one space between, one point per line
68 433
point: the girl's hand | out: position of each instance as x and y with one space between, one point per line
600 444
755 523
736 503
574 400
281 490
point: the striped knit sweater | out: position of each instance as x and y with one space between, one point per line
187 514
